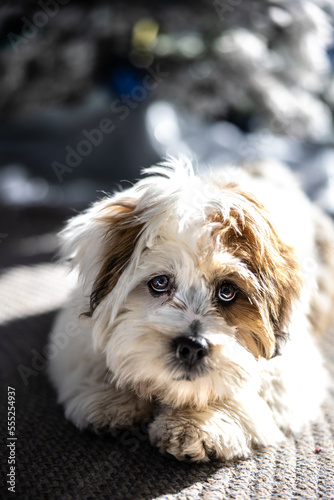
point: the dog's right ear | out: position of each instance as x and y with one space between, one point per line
100 243
123 224
105 242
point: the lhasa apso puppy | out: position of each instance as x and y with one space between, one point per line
199 304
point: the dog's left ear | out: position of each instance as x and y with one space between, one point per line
279 275
250 236
281 282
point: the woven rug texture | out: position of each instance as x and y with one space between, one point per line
55 460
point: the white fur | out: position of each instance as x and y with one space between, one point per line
119 367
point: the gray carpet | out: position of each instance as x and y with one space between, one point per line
54 460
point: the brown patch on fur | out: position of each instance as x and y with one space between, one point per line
248 235
322 304
251 329
123 228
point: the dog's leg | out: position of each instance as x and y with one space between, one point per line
81 379
226 430
102 406
294 385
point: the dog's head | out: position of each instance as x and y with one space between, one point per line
189 284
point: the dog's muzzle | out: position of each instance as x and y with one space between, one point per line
190 351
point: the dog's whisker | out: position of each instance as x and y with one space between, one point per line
108 377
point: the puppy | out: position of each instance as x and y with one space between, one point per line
199 303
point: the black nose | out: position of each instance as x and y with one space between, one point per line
190 350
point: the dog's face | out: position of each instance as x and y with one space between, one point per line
189 285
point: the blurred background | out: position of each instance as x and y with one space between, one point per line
91 92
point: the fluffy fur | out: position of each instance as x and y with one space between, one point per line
219 376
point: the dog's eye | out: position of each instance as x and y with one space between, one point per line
159 284
227 292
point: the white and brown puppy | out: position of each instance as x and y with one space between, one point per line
199 301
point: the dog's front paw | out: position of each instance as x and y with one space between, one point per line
181 438
196 437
